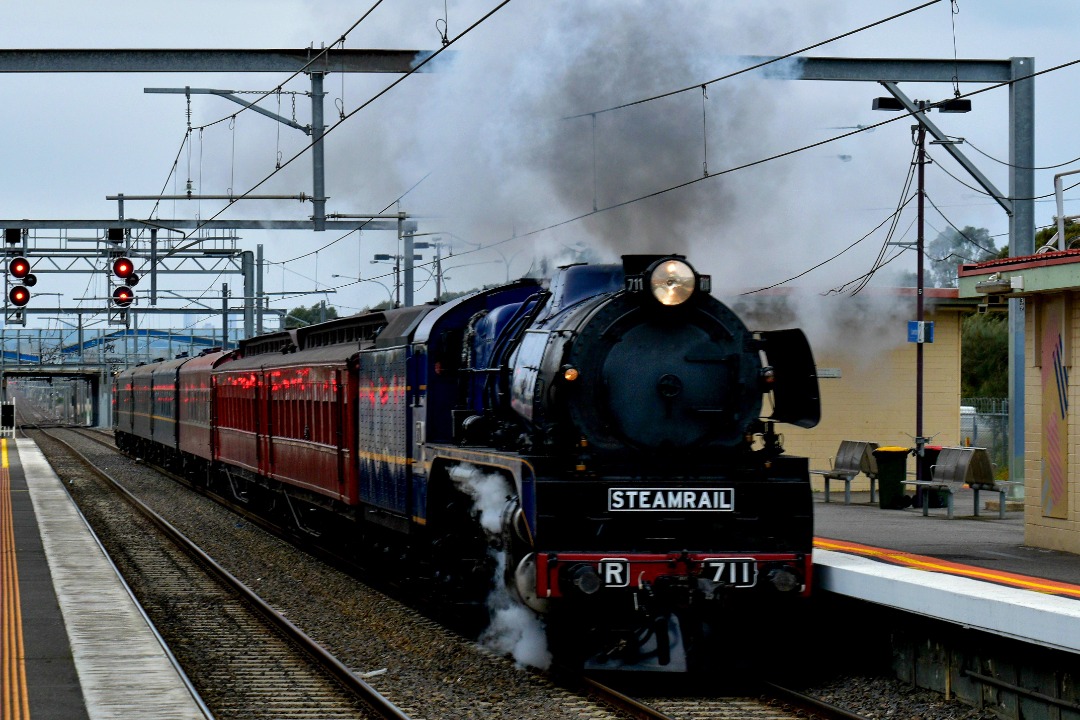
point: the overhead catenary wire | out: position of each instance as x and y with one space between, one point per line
392 203
349 115
315 252
878 262
810 146
970 144
276 91
951 255
322 53
757 66
940 167
674 187
863 279
964 235
827 260
954 10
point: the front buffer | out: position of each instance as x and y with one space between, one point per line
638 574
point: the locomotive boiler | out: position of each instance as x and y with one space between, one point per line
626 415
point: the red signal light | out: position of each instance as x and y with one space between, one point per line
19 296
123 267
19 267
122 296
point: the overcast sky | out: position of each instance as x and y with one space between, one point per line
486 140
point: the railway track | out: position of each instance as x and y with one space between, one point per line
768 702
763 703
255 662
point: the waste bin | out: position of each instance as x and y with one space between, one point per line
892 472
938 498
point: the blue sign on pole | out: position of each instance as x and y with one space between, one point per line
920 332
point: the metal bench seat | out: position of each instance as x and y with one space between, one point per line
960 466
852 457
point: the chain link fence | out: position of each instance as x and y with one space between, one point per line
984 422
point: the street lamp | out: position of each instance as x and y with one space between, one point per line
394 260
389 292
919 107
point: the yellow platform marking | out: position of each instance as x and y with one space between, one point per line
923 562
13 692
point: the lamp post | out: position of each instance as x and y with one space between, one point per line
384 257
389 292
923 106
395 260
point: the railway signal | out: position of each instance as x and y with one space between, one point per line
19 269
122 296
19 295
124 269
124 277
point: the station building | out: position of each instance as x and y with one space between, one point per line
1049 283
867 367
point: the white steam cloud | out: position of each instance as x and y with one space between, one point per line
507 160
491 128
514 629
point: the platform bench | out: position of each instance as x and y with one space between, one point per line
959 466
852 457
947 487
1000 487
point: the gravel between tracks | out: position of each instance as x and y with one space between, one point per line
430 672
888 699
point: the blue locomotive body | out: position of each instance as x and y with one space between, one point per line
614 416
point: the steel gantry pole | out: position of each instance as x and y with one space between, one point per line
920 308
247 262
1021 240
259 298
318 166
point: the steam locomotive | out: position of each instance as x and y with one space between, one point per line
641 494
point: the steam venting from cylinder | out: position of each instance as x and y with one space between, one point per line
514 629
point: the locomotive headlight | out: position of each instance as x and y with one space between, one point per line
672 282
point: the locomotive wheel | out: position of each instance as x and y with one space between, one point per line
462 561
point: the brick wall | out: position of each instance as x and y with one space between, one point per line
874 399
1039 531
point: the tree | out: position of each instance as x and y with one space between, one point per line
301 316
1072 232
951 248
984 356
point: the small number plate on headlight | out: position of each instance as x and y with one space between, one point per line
733 572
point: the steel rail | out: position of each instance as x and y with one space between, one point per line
795 704
380 704
811 706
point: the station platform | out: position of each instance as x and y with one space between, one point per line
974 571
73 642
